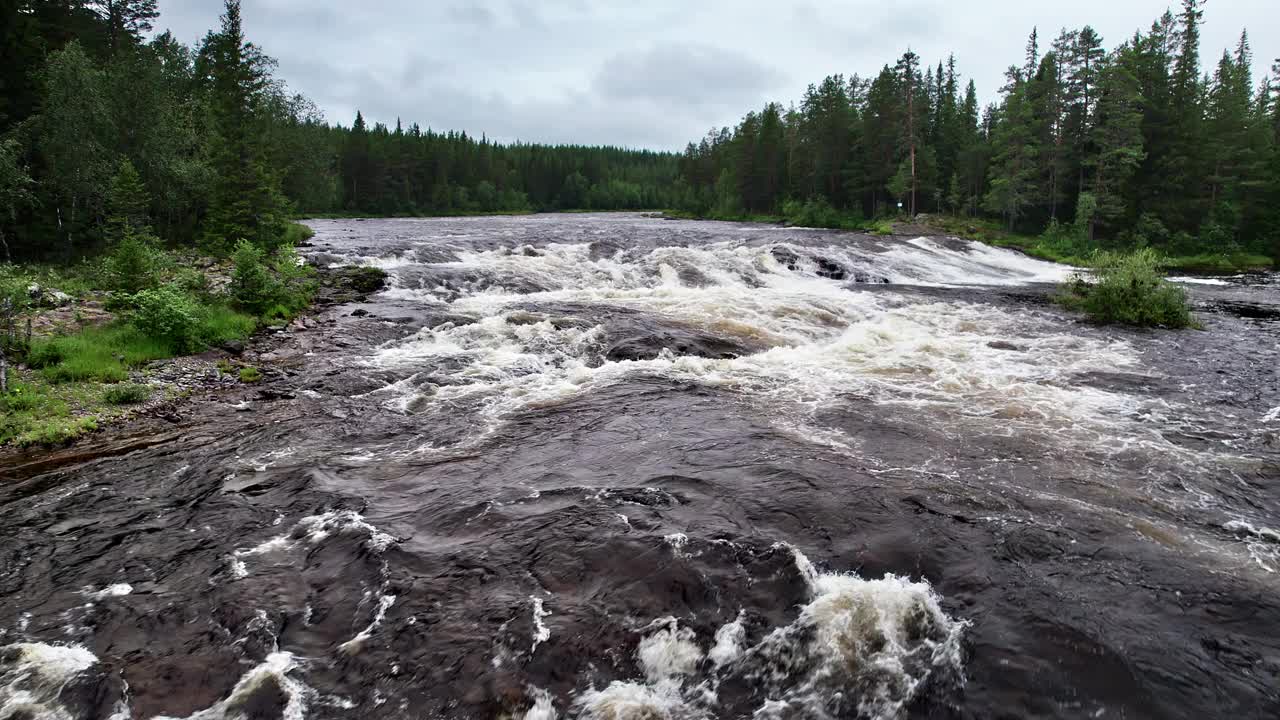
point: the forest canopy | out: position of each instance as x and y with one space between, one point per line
1130 146
211 146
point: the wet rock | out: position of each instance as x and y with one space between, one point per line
1004 345
863 277
646 338
359 312
786 257
830 269
235 347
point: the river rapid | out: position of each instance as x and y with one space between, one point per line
612 467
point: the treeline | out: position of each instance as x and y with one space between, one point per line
408 171
1128 147
214 147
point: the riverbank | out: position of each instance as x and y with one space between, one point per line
990 233
93 360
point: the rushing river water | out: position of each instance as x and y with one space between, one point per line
619 468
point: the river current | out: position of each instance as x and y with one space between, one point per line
613 467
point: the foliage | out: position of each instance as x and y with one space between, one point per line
128 203
126 394
253 287
250 375
1128 289
818 213
169 315
136 262
1146 148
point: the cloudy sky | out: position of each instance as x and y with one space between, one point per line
647 74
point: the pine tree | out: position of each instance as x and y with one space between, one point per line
126 20
1014 149
128 203
246 202
1117 135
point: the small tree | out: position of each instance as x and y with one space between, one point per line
128 202
253 287
135 262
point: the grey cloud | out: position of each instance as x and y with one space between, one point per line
692 74
472 14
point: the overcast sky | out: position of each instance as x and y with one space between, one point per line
650 74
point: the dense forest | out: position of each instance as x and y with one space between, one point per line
1132 146
97 117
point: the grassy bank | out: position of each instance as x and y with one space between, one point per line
1058 248
95 327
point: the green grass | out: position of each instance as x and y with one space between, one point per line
105 354
35 413
96 354
220 324
1055 250
126 394
250 375
1219 263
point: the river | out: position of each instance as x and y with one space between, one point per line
614 467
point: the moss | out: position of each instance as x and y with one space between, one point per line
250 375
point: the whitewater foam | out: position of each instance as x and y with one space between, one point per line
33 676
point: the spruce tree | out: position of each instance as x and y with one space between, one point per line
126 20
246 202
1117 137
128 203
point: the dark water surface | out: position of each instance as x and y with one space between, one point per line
630 469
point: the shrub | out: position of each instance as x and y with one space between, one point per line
126 394
135 262
814 213
1128 289
193 282
296 284
297 233
253 288
881 227
250 375
168 314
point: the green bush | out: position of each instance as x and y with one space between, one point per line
193 282
250 375
880 227
296 280
817 213
1128 289
253 287
297 233
126 394
168 314
135 263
